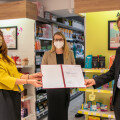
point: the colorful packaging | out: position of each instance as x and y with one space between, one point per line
93 118
101 61
93 108
111 59
89 103
111 106
95 62
88 61
98 105
85 106
104 108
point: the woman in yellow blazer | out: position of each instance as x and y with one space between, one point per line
11 85
58 99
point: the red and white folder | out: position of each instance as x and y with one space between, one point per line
62 76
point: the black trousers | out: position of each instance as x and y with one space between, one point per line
10 105
58 103
117 105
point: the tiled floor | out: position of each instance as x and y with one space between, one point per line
74 107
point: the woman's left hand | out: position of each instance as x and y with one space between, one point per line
35 75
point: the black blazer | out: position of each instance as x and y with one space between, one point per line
112 74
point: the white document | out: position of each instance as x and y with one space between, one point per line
73 76
62 76
52 77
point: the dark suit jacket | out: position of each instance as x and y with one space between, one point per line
112 74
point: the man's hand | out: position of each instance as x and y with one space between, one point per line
89 82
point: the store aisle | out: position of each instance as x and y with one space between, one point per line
74 107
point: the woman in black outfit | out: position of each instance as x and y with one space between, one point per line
58 99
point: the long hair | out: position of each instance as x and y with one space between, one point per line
65 47
3 49
118 19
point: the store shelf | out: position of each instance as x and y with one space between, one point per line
27 117
74 95
41 38
27 98
41 50
59 24
42 99
42 114
40 88
108 90
95 70
21 66
109 114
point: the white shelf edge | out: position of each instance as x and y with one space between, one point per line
41 112
27 98
21 66
39 100
41 38
27 117
110 114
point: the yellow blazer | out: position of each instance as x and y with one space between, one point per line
50 58
8 75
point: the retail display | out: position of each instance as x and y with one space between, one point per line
98 107
95 61
45 28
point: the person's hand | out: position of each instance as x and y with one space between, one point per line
35 83
37 76
89 82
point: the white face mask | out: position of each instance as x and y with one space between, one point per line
59 44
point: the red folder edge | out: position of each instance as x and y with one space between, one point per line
63 76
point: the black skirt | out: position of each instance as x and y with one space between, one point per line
58 103
10 105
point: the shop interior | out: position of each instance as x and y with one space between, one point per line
91 33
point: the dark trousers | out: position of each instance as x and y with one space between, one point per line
10 105
117 105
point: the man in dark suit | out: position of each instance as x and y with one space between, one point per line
112 74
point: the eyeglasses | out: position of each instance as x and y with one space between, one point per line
58 39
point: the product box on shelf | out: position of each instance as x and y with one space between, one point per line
101 61
61 20
47 31
111 59
54 28
40 9
25 108
93 118
50 16
95 63
88 61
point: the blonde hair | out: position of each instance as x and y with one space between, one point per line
65 47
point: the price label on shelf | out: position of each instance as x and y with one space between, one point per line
86 113
97 114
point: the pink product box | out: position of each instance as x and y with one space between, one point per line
26 105
47 31
40 9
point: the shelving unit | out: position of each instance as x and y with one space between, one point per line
74 95
109 90
42 114
28 117
108 114
26 98
106 92
59 24
39 54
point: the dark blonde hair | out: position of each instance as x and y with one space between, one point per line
65 47
3 49
118 19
